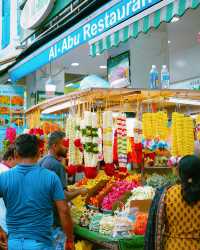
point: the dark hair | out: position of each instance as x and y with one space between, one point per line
9 153
55 137
27 146
189 171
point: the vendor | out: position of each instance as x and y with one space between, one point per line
57 151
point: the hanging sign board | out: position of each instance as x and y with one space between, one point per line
35 12
110 16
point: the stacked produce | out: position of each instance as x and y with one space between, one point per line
140 224
155 125
122 142
76 214
86 217
157 181
79 202
97 200
182 135
122 227
116 193
95 222
107 225
142 193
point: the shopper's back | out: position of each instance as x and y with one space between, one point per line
29 193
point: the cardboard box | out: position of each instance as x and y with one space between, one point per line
142 205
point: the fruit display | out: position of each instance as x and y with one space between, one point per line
116 193
182 135
86 217
122 227
107 225
97 200
79 202
139 227
76 214
95 222
155 125
157 181
142 193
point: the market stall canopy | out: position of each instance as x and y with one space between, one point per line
116 98
94 81
150 18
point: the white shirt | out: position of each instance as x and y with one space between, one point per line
3 168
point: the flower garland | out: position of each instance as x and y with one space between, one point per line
155 125
108 137
108 142
90 139
40 135
182 135
198 127
74 154
122 142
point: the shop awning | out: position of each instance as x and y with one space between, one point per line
151 18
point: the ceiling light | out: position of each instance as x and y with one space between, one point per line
75 64
184 101
103 67
175 19
169 42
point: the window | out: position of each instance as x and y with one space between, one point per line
5 23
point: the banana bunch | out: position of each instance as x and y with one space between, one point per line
155 125
182 135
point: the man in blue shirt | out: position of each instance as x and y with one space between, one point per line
57 151
30 192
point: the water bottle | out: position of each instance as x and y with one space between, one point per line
153 78
165 77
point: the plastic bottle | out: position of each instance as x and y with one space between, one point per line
165 77
153 78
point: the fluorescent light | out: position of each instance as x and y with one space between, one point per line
59 107
103 67
75 64
184 101
175 19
